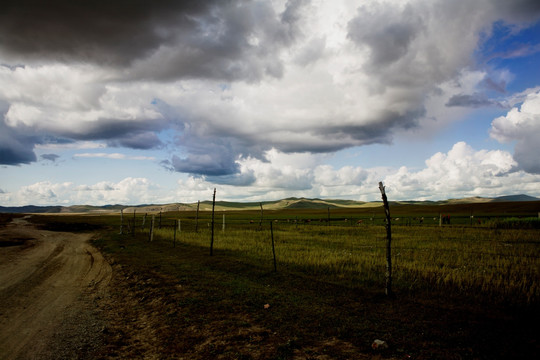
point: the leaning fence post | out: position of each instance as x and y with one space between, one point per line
388 289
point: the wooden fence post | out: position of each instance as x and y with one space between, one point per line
212 236
152 228
223 226
329 216
388 289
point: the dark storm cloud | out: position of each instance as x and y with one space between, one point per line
163 39
50 157
498 86
518 10
141 141
526 153
110 32
526 163
207 155
388 39
15 152
15 148
475 100
377 131
233 41
137 134
211 163
240 179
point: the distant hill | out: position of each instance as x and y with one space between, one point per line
31 209
288 203
520 197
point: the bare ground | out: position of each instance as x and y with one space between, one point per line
49 285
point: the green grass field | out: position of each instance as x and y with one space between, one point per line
480 262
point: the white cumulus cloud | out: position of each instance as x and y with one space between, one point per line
522 125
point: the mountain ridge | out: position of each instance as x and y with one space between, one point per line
287 203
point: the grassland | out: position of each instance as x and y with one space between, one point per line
479 261
468 289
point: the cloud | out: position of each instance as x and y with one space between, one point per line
475 100
519 10
143 141
389 40
496 85
56 105
127 191
522 124
161 40
62 144
460 172
103 32
360 89
212 163
234 79
15 147
50 157
114 156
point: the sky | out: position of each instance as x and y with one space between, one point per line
138 102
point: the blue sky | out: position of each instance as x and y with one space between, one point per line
264 100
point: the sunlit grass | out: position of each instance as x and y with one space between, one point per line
500 265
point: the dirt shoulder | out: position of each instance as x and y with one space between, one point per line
50 283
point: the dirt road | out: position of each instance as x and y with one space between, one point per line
49 284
